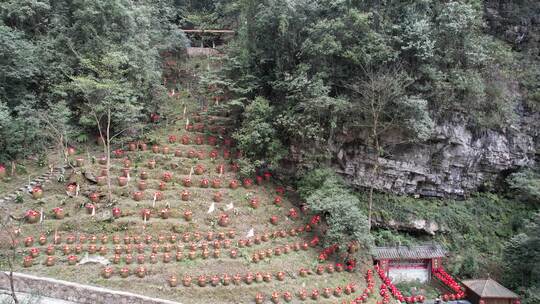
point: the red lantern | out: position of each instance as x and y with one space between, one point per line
118 153
167 177
185 195
145 213
314 242
116 212
58 213
185 140
248 182
293 213
37 192
204 183
233 184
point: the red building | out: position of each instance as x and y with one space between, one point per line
403 263
489 292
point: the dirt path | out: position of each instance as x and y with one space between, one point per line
24 190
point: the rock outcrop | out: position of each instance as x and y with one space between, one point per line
415 226
457 160
453 163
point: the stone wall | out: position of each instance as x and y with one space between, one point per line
74 292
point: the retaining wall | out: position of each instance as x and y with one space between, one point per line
74 292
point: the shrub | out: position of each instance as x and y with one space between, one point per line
257 137
326 194
526 184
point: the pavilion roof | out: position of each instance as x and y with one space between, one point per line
489 288
208 31
409 252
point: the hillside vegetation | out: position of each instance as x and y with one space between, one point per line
331 97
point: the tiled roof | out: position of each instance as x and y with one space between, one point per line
489 289
408 253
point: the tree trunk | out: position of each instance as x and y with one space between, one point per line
64 146
12 285
108 149
375 165
370 200
371 188
10 257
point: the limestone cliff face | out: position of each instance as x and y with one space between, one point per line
456 160
453 163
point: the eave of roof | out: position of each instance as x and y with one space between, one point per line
408 253
489 288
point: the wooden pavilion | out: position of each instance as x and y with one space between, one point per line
404 263
208 38
489 291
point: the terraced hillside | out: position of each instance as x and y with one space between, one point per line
180 224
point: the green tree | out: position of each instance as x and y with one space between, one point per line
19 63
110 104
46 44
326 194
522 262
20 132
257 136
382 102
56 125
526 185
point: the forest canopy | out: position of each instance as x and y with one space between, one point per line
70 52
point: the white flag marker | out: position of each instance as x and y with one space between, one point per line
212 208
250 233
